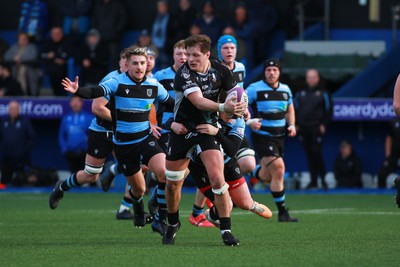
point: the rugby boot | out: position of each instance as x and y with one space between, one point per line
285 217
124 215
139 216
106 177
56 196
261 210
170 234
229 239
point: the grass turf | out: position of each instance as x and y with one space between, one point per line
334 230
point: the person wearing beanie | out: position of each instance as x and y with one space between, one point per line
272 104
227 49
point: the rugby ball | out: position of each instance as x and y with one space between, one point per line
240 95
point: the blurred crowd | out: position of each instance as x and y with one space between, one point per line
91 44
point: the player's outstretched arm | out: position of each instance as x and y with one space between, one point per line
84 92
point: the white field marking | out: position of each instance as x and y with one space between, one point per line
343 211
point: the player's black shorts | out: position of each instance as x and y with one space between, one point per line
266 146
100 144
130 157
231 173
180 145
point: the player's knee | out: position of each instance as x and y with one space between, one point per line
220 190
92 172
160 174
138 190
247 164
175 175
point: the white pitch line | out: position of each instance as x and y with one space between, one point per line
344 211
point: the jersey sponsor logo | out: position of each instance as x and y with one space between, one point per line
285 96
271 148
172 85
190 135
149 92
237 170
152 143
203 179
96 151
240 131
185 75
266 95
240 76
127 91
124 166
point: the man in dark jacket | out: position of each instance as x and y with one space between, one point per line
313 113
55 54
9 86
347 167
16 141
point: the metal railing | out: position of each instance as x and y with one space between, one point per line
302 18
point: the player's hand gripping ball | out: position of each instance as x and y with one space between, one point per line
241 96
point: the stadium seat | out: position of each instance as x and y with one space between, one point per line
368 180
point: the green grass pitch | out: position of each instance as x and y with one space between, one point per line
334 230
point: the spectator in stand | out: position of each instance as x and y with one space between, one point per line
181 21
209 23
392 153
8 85
73 134
24 58
313 112
94 59
347 167
34 19
265 18
4 46
17 138
195 29
55 54
161 33
110 29
244 30
144 40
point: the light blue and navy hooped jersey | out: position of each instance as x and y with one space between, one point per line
166 78
239 73
99 124
233 128
270 105
131 104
